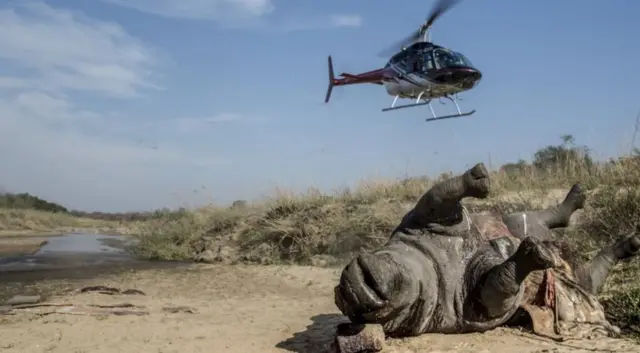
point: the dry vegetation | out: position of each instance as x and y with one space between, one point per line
296 228
319 229
27 221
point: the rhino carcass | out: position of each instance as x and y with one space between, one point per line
445 270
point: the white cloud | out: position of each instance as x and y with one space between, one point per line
346 20
54 146
200 9
328 22
66 50
230 11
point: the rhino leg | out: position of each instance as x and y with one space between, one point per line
539 223
441 203
594 273
500 286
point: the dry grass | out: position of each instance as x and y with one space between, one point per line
21 221
320 229
296 227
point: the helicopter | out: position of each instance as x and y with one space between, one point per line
421 70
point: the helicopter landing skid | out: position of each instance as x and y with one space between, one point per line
428 102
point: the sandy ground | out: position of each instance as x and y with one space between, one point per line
16 246
234 309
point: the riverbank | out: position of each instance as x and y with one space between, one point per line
301 227
19 246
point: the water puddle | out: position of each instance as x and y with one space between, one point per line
75 256
72 250
87 244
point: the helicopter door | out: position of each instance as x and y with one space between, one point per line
412 64
427 63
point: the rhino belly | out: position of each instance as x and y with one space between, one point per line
439 265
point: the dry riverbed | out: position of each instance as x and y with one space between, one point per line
234 309
18 246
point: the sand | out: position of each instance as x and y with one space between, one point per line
234 309
17 246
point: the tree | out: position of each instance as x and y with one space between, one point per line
560 156
239 204
27 201
512 168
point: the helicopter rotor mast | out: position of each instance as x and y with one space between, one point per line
426 33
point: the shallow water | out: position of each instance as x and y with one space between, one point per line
87 244
72 250
72 257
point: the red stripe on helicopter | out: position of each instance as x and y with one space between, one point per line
374 76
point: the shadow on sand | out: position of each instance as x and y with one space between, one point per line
317 337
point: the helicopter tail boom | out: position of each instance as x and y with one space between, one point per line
375 77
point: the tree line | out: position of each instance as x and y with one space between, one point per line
27 201
554 156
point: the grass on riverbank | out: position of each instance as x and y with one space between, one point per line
295 228
25 221
320 229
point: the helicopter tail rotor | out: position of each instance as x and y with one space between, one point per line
331 79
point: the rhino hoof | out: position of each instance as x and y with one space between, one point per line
576 197
477 181
535 254
634 243
628 247
352 338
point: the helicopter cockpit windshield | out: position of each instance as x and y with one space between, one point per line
445 58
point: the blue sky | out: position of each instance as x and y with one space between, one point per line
121 105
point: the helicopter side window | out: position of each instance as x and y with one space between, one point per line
419 61
400 60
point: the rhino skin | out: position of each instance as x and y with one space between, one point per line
444 270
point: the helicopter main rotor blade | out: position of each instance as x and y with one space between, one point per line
392 49
437 10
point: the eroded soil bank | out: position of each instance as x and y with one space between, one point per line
234 309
